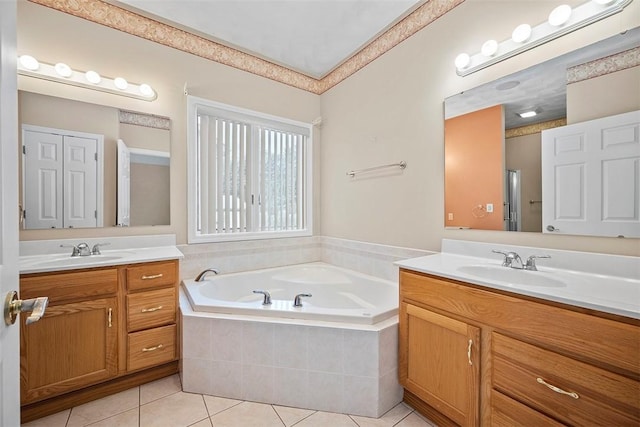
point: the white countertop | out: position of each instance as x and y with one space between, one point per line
603 292
123 252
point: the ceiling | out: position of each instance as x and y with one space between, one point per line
309 36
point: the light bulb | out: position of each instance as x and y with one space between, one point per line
489 48
146 90
522 33
120 83
462 61
92 77
29 62
560 15
63 69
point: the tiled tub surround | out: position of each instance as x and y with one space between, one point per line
231 257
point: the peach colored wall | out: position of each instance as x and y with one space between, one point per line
474 165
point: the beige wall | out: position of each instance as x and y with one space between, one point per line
524 153
391 110
145 137
149 184
593 98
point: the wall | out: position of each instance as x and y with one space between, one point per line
148 189
393 109
523 153
590 99
53 36
474 165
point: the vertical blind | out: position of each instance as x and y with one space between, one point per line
251 176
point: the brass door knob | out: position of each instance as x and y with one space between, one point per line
13 306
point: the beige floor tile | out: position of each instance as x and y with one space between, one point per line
323 419
177 410
415 420
203 423
218 404
391 418
56 420
104 408
159 388
126 419
290 416
248 414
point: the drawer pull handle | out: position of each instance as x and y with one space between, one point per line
469 352
150 310
153 276
110 317
157 347
557 389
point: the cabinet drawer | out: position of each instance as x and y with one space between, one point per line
506 412
152 275
63 287
151 347
598 397
150 309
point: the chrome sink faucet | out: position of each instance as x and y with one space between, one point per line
81 249
511 259
531 262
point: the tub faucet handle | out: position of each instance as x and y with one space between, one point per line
267 296
297 301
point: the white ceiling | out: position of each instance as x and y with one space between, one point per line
309 36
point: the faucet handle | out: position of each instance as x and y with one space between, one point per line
74 252
506 262
531 262
96 248
267 296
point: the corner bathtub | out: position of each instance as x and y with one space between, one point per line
338 295
336 353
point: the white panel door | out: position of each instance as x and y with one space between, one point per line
9 335
124 185
80 186
591 177
43 177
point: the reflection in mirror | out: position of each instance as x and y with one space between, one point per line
493 166
148 138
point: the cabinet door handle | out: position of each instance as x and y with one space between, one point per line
110 316
558 389
469 352
153 276
157 347
150 310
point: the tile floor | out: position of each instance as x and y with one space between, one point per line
163 403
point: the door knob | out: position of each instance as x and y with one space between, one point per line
13 306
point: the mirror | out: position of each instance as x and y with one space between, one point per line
493 169
143 192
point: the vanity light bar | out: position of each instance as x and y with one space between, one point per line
62 73
561 21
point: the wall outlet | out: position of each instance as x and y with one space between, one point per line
450 216
489 207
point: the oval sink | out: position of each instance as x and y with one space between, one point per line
512 276
74 261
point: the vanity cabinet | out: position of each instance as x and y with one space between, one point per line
536 362
105 330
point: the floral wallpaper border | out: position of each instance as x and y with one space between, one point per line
534 128
129 22
146 120
602 66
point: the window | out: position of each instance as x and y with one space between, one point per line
249 174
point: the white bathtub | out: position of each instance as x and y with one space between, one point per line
338 295
333 354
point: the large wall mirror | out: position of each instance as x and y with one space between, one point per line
87 165
493 133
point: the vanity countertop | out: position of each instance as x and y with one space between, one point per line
608 293
62 262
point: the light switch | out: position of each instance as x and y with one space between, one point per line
450 216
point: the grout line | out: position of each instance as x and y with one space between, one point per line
278 415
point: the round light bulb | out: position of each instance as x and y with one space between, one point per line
63 69
489 48
146 90
29 62
92 77
560 15
120 83
462 61
522 33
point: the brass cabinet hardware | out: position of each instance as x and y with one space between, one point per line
153 276
469 352
557 389
157 347
110 317
150 310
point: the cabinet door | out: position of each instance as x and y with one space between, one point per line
72 346
439 362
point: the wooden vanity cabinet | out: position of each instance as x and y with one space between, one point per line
104 330
537 362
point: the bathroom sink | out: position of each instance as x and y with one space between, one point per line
512 276
84 260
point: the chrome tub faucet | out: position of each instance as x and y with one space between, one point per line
202 274
267 296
